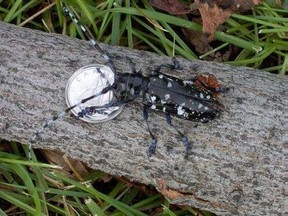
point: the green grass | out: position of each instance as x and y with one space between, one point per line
259 39
36 188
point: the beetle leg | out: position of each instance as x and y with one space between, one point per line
185 140
132 65
153 144
175 65
88 35
63 113
100 109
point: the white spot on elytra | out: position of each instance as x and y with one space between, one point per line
169 79
208 97
167 96
180 110
169 85
153 98
200 106
188 82
161 76
132 91
201 95
206 108
164 109
153 106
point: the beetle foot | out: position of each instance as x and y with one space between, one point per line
152 148
188 146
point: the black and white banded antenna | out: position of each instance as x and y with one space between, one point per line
88 35
109 86
63 113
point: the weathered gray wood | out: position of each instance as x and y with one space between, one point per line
237 166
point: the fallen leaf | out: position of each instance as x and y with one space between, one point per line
213 12
212 17
71 167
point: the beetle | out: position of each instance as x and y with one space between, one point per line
193 99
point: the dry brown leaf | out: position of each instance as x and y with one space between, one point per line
212 17
213 12
70 166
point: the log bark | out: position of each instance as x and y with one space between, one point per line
237 165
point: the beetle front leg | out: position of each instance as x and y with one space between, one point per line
132 65
175 65
101 109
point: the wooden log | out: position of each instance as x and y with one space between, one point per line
237 165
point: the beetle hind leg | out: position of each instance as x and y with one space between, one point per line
153 145
185 141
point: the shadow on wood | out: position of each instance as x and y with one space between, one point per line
237 166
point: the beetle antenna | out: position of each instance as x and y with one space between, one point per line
88 35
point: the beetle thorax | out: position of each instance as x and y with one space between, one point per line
131 85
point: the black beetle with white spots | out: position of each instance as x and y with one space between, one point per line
181 98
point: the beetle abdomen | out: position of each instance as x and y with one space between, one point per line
183 99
